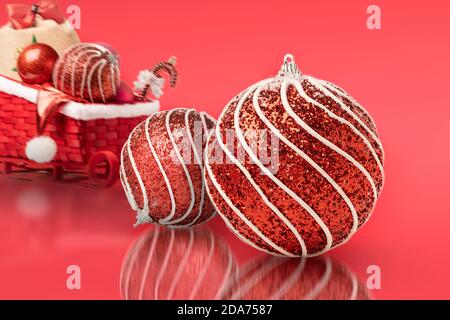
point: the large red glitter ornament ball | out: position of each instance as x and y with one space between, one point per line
295 165
35 63
274 278
162 170
88 71
169 264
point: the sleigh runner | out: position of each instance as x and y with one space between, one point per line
88 136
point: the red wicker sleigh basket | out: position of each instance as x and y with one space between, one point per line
89 136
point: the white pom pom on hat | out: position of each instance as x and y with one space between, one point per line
41 149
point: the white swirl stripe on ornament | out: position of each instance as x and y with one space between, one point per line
266 171
355 117
346 95
142 215
114 69
57 67
64 71
84 76
90 76
163 172
100 83
310 161
169 220
341 92
125 183
332 146
183 165
74 65
199 161
230 226
203 116
242 217
99 79
321 86
325 141
78 54
257 188
333 183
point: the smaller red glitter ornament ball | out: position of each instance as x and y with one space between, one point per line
162 170
295 165
169 264
35 63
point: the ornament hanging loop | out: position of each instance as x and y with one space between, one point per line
289 67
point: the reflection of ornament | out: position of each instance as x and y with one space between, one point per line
162 168
168 264
88 71
35 63
33 203
151 79
312 178
273 278
124 93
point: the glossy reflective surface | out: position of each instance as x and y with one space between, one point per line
47 226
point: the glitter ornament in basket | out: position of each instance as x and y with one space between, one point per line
87 137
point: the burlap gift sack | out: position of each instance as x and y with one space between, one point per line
58 36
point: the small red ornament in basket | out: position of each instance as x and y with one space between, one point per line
35 63
88 71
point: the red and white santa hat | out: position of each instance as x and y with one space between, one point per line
42 148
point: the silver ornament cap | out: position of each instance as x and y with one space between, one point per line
289 67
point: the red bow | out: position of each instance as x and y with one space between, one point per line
22 16
50 101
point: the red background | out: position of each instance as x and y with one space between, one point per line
399 73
